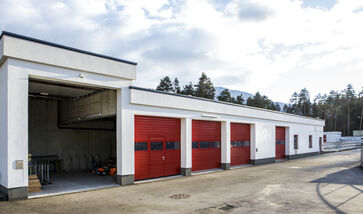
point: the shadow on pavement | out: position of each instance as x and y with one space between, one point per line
347 178
352 176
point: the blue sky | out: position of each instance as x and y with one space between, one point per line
275 47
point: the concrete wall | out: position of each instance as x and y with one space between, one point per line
14 127
14 79
141 102
3 126
75 147
147 98
38 52
99 105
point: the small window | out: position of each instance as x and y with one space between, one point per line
310 141
140 146
156 146
246 143
172 145
278 142
282 142
233 143
216 144
296 143
203 144
239 144
195 145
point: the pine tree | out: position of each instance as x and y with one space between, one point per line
349 96
240 99
225 96
165 85
261 102
188 89
176 87
205 87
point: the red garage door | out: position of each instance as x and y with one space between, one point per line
280 143
206 144
157 147
240 144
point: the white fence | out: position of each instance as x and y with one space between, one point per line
341 146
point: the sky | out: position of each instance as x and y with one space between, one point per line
275 47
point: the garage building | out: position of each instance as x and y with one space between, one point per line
71 111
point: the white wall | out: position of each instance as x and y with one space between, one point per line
14 110
3 126
262 130
303 132
2 58
147 98
50 55
333 137
125 134
14 129
53 73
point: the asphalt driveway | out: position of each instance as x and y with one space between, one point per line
329 183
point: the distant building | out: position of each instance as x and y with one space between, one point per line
332 137
358 133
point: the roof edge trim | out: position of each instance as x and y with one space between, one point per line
6 33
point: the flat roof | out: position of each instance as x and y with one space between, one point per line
220 102
6 33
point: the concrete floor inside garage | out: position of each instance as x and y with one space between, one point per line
72 127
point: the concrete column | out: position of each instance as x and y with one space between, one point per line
13 132
288 141
226 145
125 139
253 147
186 146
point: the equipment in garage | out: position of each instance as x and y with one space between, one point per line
280 143
240 144
157 147
206 145
72 137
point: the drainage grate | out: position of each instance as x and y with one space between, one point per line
180 196
226 207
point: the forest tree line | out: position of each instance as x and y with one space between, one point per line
341 110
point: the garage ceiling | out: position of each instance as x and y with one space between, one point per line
58 90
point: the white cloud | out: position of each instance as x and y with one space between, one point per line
276 47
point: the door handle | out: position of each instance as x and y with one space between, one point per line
163 157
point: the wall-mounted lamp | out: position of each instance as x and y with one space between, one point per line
81 75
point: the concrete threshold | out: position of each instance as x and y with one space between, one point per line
157 179
41 195
206 171
241 166
281 160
